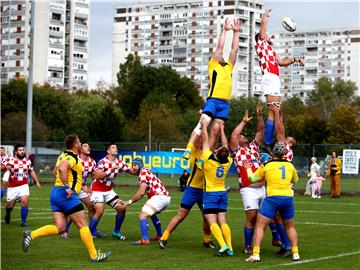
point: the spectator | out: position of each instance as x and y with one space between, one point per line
311 184
183 180
318 181
334 171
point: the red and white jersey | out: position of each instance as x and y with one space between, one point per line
154 185
267 57
4 159
289 155
106 165
89 166
19 171
250 154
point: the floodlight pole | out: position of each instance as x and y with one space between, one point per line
30 82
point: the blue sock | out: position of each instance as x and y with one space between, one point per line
274 231
157 225
24 213
269 131
118 222
144 227
67 226
248 234
284 239
93 224
3 191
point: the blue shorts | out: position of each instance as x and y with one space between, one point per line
282 204
216 108
59 202
192 196
215 202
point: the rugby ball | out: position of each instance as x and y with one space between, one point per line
289 24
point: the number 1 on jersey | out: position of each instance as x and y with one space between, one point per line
282 168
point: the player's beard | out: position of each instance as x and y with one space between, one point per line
20 156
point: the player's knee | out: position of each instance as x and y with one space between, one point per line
143 215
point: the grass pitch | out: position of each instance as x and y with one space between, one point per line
328 229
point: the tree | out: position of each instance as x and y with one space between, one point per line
344 126
13 128
13 97
328 95
161 85
163 127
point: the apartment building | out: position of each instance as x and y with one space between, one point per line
60 42
183 34
331 53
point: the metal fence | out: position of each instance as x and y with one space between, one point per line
46 153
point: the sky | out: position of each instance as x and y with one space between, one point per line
307 15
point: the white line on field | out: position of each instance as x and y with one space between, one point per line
322 258
326 224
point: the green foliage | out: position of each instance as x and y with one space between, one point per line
344 126
13 128
13 97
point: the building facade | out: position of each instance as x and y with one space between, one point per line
60 42
331 53
183 34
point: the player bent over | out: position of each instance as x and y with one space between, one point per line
158 200
66 203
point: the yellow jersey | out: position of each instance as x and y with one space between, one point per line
220 78
196 179
75 173
278 174
214 172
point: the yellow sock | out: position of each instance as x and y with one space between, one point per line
45 231
88 241
227 234
256 250
206 238
165 235
215 230
294 249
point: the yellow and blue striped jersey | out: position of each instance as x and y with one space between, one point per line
220 79
279 174
214 172
75 172
196 179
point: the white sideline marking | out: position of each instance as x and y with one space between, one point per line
326 224
323 258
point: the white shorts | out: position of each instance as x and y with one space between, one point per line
252 197
156 204
102 197
270 84
6 176
83 194
14 193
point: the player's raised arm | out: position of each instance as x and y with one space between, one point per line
204 134
234 139
235 42
221 42
288 61
259 136
264 23
279 126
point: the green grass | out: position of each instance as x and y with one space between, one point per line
326 228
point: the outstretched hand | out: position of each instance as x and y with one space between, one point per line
259 109
246 117
236 25
246 164
227 25
267 12
275 109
